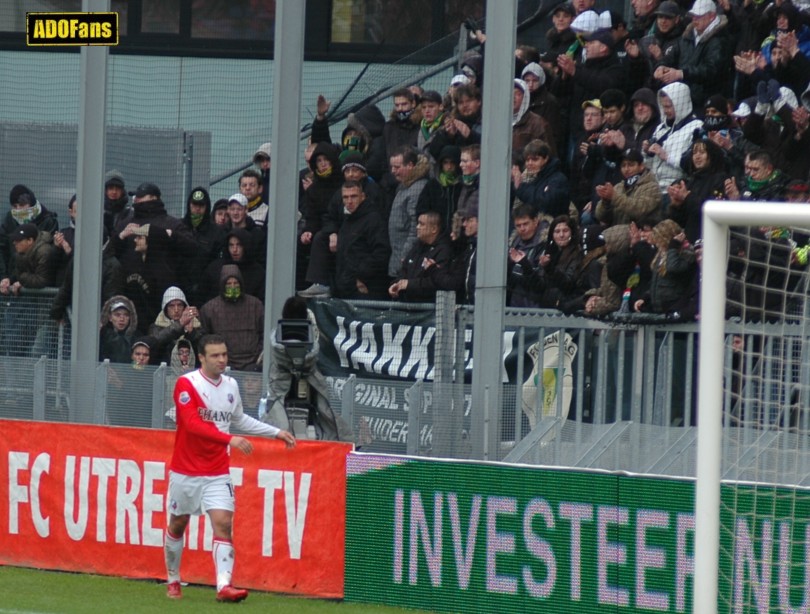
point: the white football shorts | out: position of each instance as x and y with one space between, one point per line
194 494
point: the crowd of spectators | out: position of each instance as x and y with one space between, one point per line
620 133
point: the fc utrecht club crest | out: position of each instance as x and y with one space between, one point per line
230 398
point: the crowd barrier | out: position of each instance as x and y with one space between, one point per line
615 394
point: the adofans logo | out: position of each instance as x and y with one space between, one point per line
67 29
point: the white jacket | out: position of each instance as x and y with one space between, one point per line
676 137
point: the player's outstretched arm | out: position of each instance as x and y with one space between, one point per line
242 444
287 438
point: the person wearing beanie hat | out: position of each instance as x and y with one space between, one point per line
219 213
116 199
603 36
645 119
352 159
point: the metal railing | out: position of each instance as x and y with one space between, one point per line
625 399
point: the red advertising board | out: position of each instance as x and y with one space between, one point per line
93 499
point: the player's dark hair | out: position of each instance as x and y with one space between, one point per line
207 340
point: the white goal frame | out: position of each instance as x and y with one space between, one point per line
717 217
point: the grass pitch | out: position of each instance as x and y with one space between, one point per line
34 591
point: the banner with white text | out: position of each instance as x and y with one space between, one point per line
484 537
93 499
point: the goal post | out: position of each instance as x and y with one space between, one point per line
718 217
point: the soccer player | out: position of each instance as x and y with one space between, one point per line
207 403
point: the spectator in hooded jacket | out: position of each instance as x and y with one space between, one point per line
673 136
177 320
326 180
118 329
363 133
239 247
237 316
526 125
262 161
543 103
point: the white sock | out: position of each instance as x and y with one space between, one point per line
173 552
223 562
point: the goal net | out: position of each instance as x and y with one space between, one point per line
753 489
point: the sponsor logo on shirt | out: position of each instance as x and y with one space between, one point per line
211 415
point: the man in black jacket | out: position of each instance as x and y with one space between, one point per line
415 283
362 248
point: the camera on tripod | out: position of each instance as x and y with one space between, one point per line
297 339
